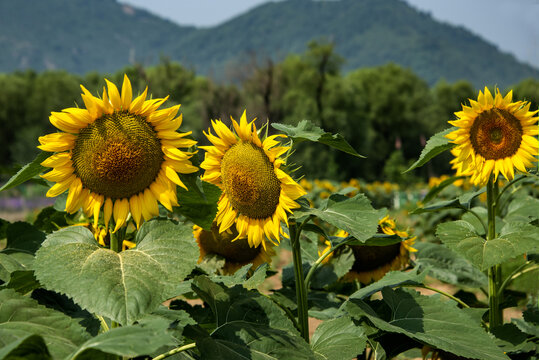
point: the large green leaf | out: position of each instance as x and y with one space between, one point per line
523 209
23 237
354 215
21 281
515 239
427 319
306 130
27 172
391 279
242 340
21 316
129 341
31 347
338 338
122 286
436 145
15 261
447 266
199 203
237 303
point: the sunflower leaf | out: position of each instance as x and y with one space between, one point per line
436 145
122 286
515 239
427 319
27 172
391 279
338 338
353 215
128 341
237 303
240 340
447 266
23 237
199 203
21 281
21 316
438 188
29 347
306 130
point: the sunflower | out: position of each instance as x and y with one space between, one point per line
373 262
237 253
256 193
494 135
118 154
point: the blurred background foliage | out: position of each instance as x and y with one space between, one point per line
386 112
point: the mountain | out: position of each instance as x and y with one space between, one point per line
104 35
81 36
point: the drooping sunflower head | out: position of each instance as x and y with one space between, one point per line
494 135
256 193
236 251
119 154
373 262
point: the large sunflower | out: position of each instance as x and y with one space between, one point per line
119 154
494 135
236 253
373 262
256 192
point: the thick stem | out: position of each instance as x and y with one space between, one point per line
494 273
301 291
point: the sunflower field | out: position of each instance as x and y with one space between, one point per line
158 247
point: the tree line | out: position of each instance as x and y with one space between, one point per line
386 113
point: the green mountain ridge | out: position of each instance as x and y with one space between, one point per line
104 35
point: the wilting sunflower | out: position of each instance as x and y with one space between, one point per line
236 252
256 193
494 135
119 154
373 262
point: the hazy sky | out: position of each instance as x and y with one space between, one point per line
512 25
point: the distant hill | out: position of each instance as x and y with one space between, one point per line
104 35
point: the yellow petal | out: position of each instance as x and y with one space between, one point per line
107 212
114 95
136 209
127 93
121 210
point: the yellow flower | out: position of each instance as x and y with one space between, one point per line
119 154
373 262
494 135
256 193
236 252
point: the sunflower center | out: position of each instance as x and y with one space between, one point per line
249 180
221 244
372 257
496 134
118 155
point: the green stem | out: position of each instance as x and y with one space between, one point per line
116 240
104 325
175 351
317 263
439 292
494 273
478 218
515 274
506 187
301 291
